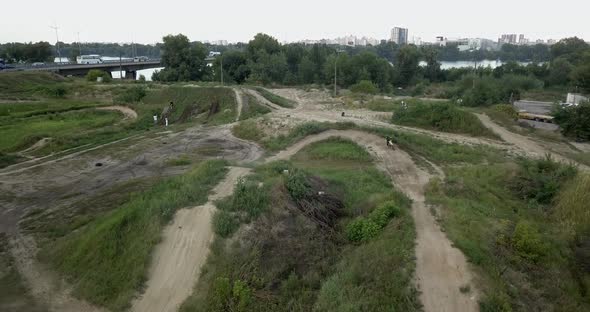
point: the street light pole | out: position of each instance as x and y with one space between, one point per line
335 75
57 43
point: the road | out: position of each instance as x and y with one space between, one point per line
535 107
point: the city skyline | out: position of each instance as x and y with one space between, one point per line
240 21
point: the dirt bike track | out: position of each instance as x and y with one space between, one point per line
441 269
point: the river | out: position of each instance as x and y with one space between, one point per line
463 64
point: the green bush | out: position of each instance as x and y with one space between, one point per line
247 130
56 91
364 86
574 121
527 241
132 95
93 74
225 223
495 303
444 116
364 229
506 109
539 180
297 184
228 297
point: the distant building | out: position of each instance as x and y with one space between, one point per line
508 38
551 41
399 35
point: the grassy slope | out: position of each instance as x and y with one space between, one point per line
479 214
252 108
201 97
28 84
285 263
107 260
274 98
443 116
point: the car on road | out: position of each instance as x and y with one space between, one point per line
3 65
38 64
140 59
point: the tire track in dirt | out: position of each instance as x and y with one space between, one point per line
239 103
441 269
43 285
177 260
126 111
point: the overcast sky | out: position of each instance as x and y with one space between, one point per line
147 21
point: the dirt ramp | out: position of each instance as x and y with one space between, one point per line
178 259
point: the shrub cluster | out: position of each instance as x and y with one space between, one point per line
363 229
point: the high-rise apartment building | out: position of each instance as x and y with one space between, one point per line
399 35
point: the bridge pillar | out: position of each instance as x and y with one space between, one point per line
131 74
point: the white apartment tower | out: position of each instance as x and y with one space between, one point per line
399 35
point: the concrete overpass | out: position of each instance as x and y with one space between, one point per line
66 69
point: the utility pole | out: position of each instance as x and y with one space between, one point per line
221 58
335 75
120 64
57 42
79 45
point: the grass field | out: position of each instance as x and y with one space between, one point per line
291 261
106 261
503 219
67 129
29 85
274 98
443 116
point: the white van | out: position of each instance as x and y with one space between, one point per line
89 59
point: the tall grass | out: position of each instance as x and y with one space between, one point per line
335 149
248 130
444 117
301 131
274 98
107 260
519 250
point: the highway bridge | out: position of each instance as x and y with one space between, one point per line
128 66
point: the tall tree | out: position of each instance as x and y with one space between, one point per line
182 61
406 65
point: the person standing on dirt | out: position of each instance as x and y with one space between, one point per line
387 139
155 119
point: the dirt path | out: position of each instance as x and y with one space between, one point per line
177 260
521 142
43 284
441 269
239 102
126 111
